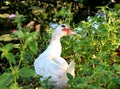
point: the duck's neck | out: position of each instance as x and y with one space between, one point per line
54 49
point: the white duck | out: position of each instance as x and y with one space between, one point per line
50 62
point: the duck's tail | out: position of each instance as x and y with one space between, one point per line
71 68
62 82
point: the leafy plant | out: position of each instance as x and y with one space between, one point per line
94 50
18 62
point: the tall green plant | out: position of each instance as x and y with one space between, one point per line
18 61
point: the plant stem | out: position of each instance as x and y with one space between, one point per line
13 72
11 65
22 55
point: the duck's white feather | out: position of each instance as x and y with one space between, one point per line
54 67
50 62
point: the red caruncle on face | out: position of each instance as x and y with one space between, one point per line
67 30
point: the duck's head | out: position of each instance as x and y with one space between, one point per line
62 30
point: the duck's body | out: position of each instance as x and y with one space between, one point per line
50 62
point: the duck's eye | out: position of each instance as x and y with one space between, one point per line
63 25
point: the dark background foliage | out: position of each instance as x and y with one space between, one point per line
43 11
95 50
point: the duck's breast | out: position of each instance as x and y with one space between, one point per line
47 66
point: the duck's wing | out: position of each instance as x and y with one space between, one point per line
53 67
62 81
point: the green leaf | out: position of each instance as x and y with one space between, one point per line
4 87
81 1
19 34
15 86
9 46
33 47
11 57
35 34
2 55
69 76
41 88
27 72
29 39
6 79
0 49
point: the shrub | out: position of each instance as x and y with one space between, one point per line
94 50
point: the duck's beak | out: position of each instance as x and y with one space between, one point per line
69 31
72 32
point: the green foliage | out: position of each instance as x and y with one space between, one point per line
45 11
94 49
4 80
27 72
18 67
5 52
